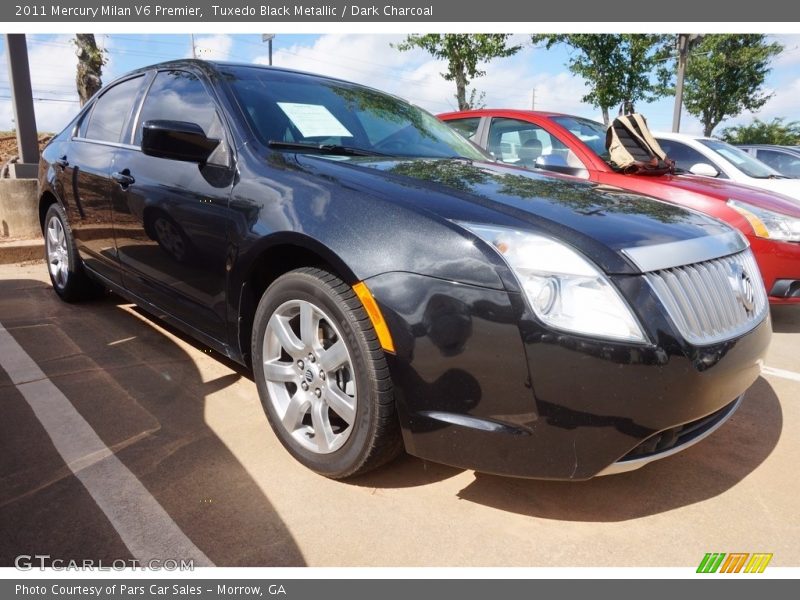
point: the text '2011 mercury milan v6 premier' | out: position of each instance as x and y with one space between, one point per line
391 286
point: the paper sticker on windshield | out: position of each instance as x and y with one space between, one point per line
314 120
732 156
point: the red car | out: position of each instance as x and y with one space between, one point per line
576 146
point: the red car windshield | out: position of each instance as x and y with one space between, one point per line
591 133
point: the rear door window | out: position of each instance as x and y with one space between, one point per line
111 111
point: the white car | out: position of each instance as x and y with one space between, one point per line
714 158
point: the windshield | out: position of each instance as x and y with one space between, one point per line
591 133
286 108
741 159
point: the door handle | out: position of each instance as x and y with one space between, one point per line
61 162
123 178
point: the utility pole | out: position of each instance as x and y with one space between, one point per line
686 41
19 77
533 98
268 37
194 48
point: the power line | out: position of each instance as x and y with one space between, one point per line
150 39
45 99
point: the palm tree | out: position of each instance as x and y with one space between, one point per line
90 66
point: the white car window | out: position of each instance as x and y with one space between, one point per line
685 157
748 165
783 162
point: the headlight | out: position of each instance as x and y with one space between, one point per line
768 224
563 288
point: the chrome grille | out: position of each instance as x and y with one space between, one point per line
714 300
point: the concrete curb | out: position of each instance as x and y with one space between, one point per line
17 251
19 209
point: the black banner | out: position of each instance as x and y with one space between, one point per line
419 589
444 11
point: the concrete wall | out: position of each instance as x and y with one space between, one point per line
19 209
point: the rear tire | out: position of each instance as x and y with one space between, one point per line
322 375
64 265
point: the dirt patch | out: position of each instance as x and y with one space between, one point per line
8 144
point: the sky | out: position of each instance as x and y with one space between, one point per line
534 74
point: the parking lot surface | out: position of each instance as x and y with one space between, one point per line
121 438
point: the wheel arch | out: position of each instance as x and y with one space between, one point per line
46 200
270 258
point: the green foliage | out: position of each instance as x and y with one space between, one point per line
462 52
725 75
759 132
620 69
452 173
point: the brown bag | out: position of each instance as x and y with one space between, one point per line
634 150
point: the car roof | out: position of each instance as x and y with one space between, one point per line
670 135
792 149
212 67
516 111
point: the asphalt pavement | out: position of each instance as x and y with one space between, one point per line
121 438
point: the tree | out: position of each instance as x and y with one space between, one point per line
759 132
90 66
476 99
462 52
725 75
620 69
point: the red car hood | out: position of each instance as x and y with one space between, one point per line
735 191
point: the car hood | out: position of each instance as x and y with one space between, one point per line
726 189
592 217
787 187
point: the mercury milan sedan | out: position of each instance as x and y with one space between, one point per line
390 286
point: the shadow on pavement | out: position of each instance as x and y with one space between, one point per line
703 471
404 472
146 399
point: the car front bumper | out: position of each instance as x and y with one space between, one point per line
779 263
480 384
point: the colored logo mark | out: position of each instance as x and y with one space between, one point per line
735 562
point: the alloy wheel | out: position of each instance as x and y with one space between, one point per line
57 253
310 377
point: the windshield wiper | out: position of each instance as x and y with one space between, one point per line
323 148
769 177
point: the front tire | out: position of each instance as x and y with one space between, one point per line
322 376
64 265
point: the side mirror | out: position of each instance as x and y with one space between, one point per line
558 164
704 169
177 140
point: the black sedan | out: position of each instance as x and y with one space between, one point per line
390 286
